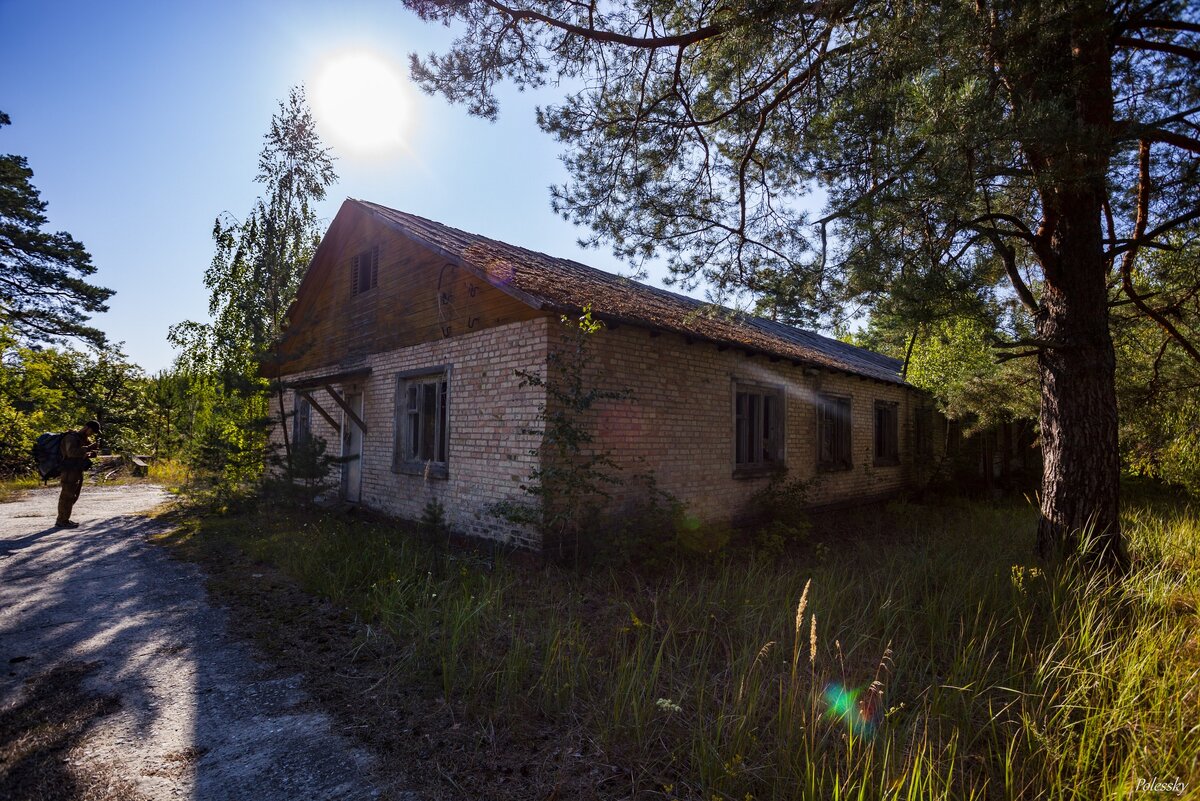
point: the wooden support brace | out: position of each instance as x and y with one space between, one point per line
346 408
320 410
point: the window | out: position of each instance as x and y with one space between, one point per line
364 271
422 418
302 427
833 433
758 428
887 433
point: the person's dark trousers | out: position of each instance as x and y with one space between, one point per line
72 483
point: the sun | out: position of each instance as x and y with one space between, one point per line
360 99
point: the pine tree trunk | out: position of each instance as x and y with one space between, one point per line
1080 482
1076 363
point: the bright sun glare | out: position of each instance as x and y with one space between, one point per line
360 99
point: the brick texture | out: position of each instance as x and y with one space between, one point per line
677 424
489 456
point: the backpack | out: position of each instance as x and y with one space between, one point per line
47 452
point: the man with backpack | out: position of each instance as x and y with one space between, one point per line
76 450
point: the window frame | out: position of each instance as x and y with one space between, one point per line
371 255
773 432
403 421
891 438
841 456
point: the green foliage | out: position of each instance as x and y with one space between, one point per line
779 512
259 261
968 154
18 431
955 360
43 292
253 278
171 400
703 537
933 129
56 389
433 522
1158 383
306 476
227 458
311 465
102 385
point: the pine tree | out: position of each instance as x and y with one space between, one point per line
43 294
967 151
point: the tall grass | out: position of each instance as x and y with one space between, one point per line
930 659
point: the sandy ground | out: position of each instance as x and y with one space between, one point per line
199 716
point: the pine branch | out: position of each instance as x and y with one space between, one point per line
1139 229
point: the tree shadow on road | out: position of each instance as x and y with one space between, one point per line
10 547
38 733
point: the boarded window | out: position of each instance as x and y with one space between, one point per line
833 433
422 424
887 433
364 271
302 424
757 427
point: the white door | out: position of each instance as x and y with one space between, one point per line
352 441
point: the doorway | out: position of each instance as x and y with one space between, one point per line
352 448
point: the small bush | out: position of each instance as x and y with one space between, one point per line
433 522
778 514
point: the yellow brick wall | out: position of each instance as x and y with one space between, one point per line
679 422
489 456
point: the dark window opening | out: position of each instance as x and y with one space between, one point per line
364 271
887 433
833 433
758 428
422 430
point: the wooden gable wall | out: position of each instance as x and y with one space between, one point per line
420 297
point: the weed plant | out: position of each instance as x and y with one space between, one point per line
171 473
929 658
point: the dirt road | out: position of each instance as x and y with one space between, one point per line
119 680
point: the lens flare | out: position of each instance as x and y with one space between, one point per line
842 703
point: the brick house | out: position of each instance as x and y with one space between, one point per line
404 340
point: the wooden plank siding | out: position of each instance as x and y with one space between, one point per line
420 297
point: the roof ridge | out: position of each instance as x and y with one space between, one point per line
536 281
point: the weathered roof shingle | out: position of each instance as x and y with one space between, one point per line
562 285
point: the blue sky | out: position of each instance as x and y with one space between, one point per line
142 121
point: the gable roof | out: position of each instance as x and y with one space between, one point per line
564 286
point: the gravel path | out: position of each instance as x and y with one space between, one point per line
198 717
